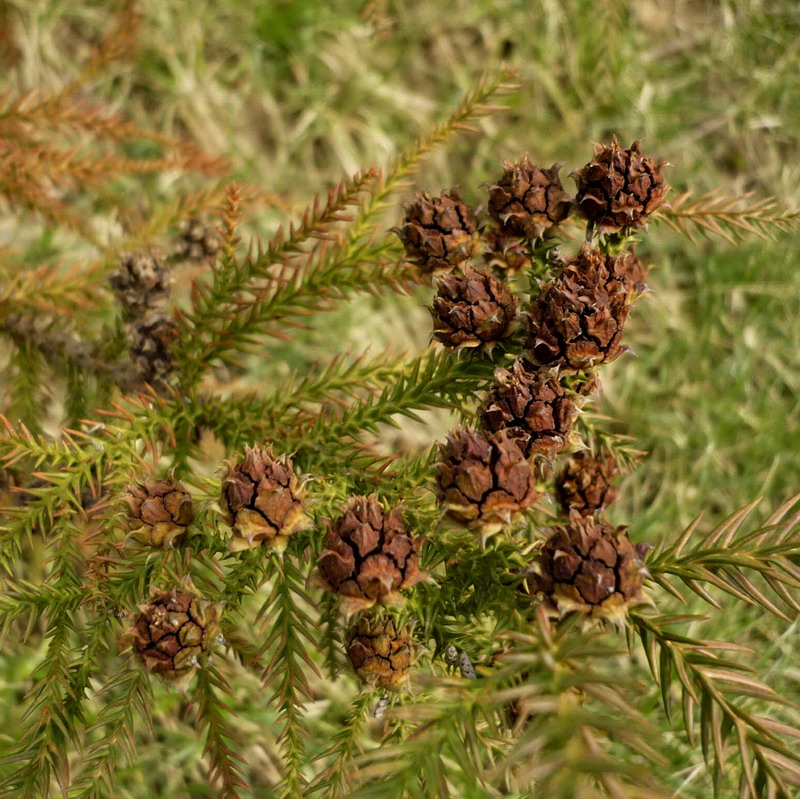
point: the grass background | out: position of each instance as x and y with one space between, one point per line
300 93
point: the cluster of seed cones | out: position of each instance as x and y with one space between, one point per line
491 474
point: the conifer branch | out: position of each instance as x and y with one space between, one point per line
731 218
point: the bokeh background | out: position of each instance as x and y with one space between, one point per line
300 93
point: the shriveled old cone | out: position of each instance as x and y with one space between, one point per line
262 500
141 283
173 634
473 310
198 240
439 233
159 512
532 408
528 200
589 567
586 483
151 340
381 652
369 556
505 254
619 188
578 319
484 480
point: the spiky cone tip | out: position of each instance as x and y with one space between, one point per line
262 500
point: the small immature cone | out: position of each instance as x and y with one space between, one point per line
262 500
533 409
173 633
484 481
473 310
369 557
141 283
439 233
159 511
589 567
198 240
150 347
585 484
619 188
381 652
527 200
504 253
577 320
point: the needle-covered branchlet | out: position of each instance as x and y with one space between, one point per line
262 500
474 309
577 320
586 483
532 408
381 652
484 480
619 188
439 233
159 512
590 567
527 201
173 634
369 555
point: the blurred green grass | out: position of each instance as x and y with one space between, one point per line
301 93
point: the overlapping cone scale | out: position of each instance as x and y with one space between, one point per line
141 283
532 408
369 556
586 483
439 233
159 512
589 567
577 320
173 633
262 500
528 200
504 253
484 480
619 188
150 346
473 309
381 652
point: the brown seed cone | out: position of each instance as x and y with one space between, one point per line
150 347
159 511
173 633
473 310
534 410
619 188
381 652
589 567
527 200
198 240
141 283
506 254
262 500
369 557
484 481
439 233
585 484
577 320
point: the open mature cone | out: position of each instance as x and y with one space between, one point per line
484 480
577 320
198 241
619 188
507 254
173 633
527 200
533 409
439 233
586 484
473 310
589 567
159 511
262 500
381 652
369 557
141 283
